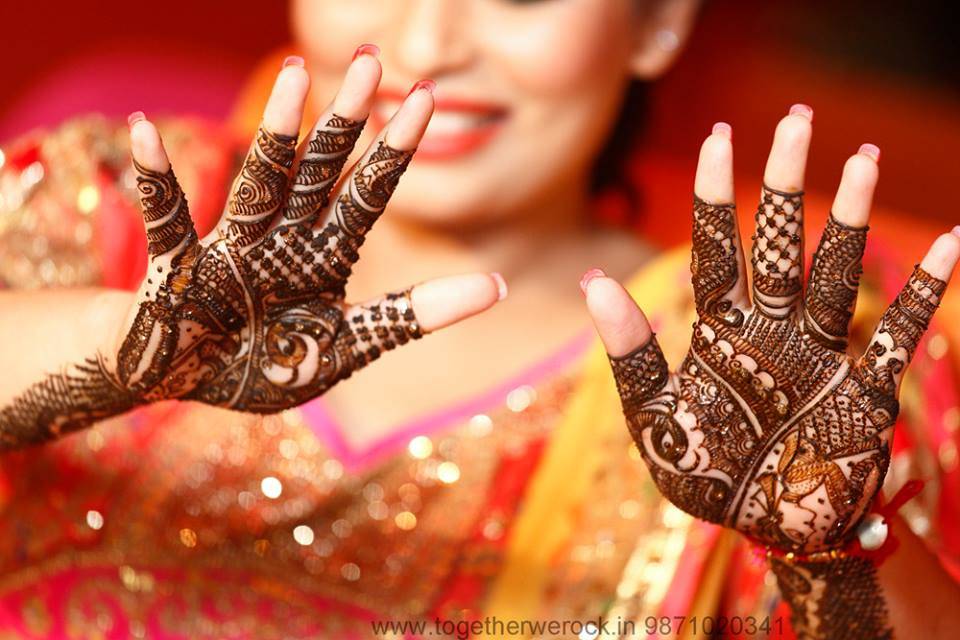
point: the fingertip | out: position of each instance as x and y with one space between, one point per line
619 321
408 124
146 145
502 289
714 178
794 128
284 109
803 110
355 97
444 301
870 150
854 198
135 117
786 165
862 169
722 129
942 256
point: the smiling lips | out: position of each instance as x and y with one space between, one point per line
457 127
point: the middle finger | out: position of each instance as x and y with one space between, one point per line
777 255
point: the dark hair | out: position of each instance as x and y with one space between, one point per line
611 179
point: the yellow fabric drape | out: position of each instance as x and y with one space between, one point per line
573 456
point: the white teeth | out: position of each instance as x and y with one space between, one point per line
386 108
443 122
452 122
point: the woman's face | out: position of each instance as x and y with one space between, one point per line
527 91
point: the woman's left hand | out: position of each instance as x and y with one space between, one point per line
769 426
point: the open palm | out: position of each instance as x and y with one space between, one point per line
768 426
253 316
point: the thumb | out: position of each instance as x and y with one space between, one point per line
619 321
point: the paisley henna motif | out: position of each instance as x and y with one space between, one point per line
252 318
260 188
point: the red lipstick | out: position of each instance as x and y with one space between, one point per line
459 126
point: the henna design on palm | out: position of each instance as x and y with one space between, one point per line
259 323
769 426
253 316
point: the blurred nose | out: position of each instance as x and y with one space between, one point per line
431 38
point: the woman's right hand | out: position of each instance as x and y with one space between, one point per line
253 316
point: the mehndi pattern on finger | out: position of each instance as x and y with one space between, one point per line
165 211
320 168
381 326
260 189
714 266
355 211
777 255
766 427
900 329
834 279
372 185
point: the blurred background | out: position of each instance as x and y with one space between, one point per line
884 71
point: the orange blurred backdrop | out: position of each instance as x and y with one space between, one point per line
882 72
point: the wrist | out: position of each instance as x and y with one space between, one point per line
832 595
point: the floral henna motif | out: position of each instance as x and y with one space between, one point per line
768 427
252 318
836 598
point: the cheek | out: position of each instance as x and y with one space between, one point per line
328 31
559 47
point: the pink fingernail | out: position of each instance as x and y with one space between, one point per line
292 61
590 275
501 285
801 109
871 150
427 84
723 129
366 50
135 117
956 231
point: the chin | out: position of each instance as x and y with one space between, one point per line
438 217
425 197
